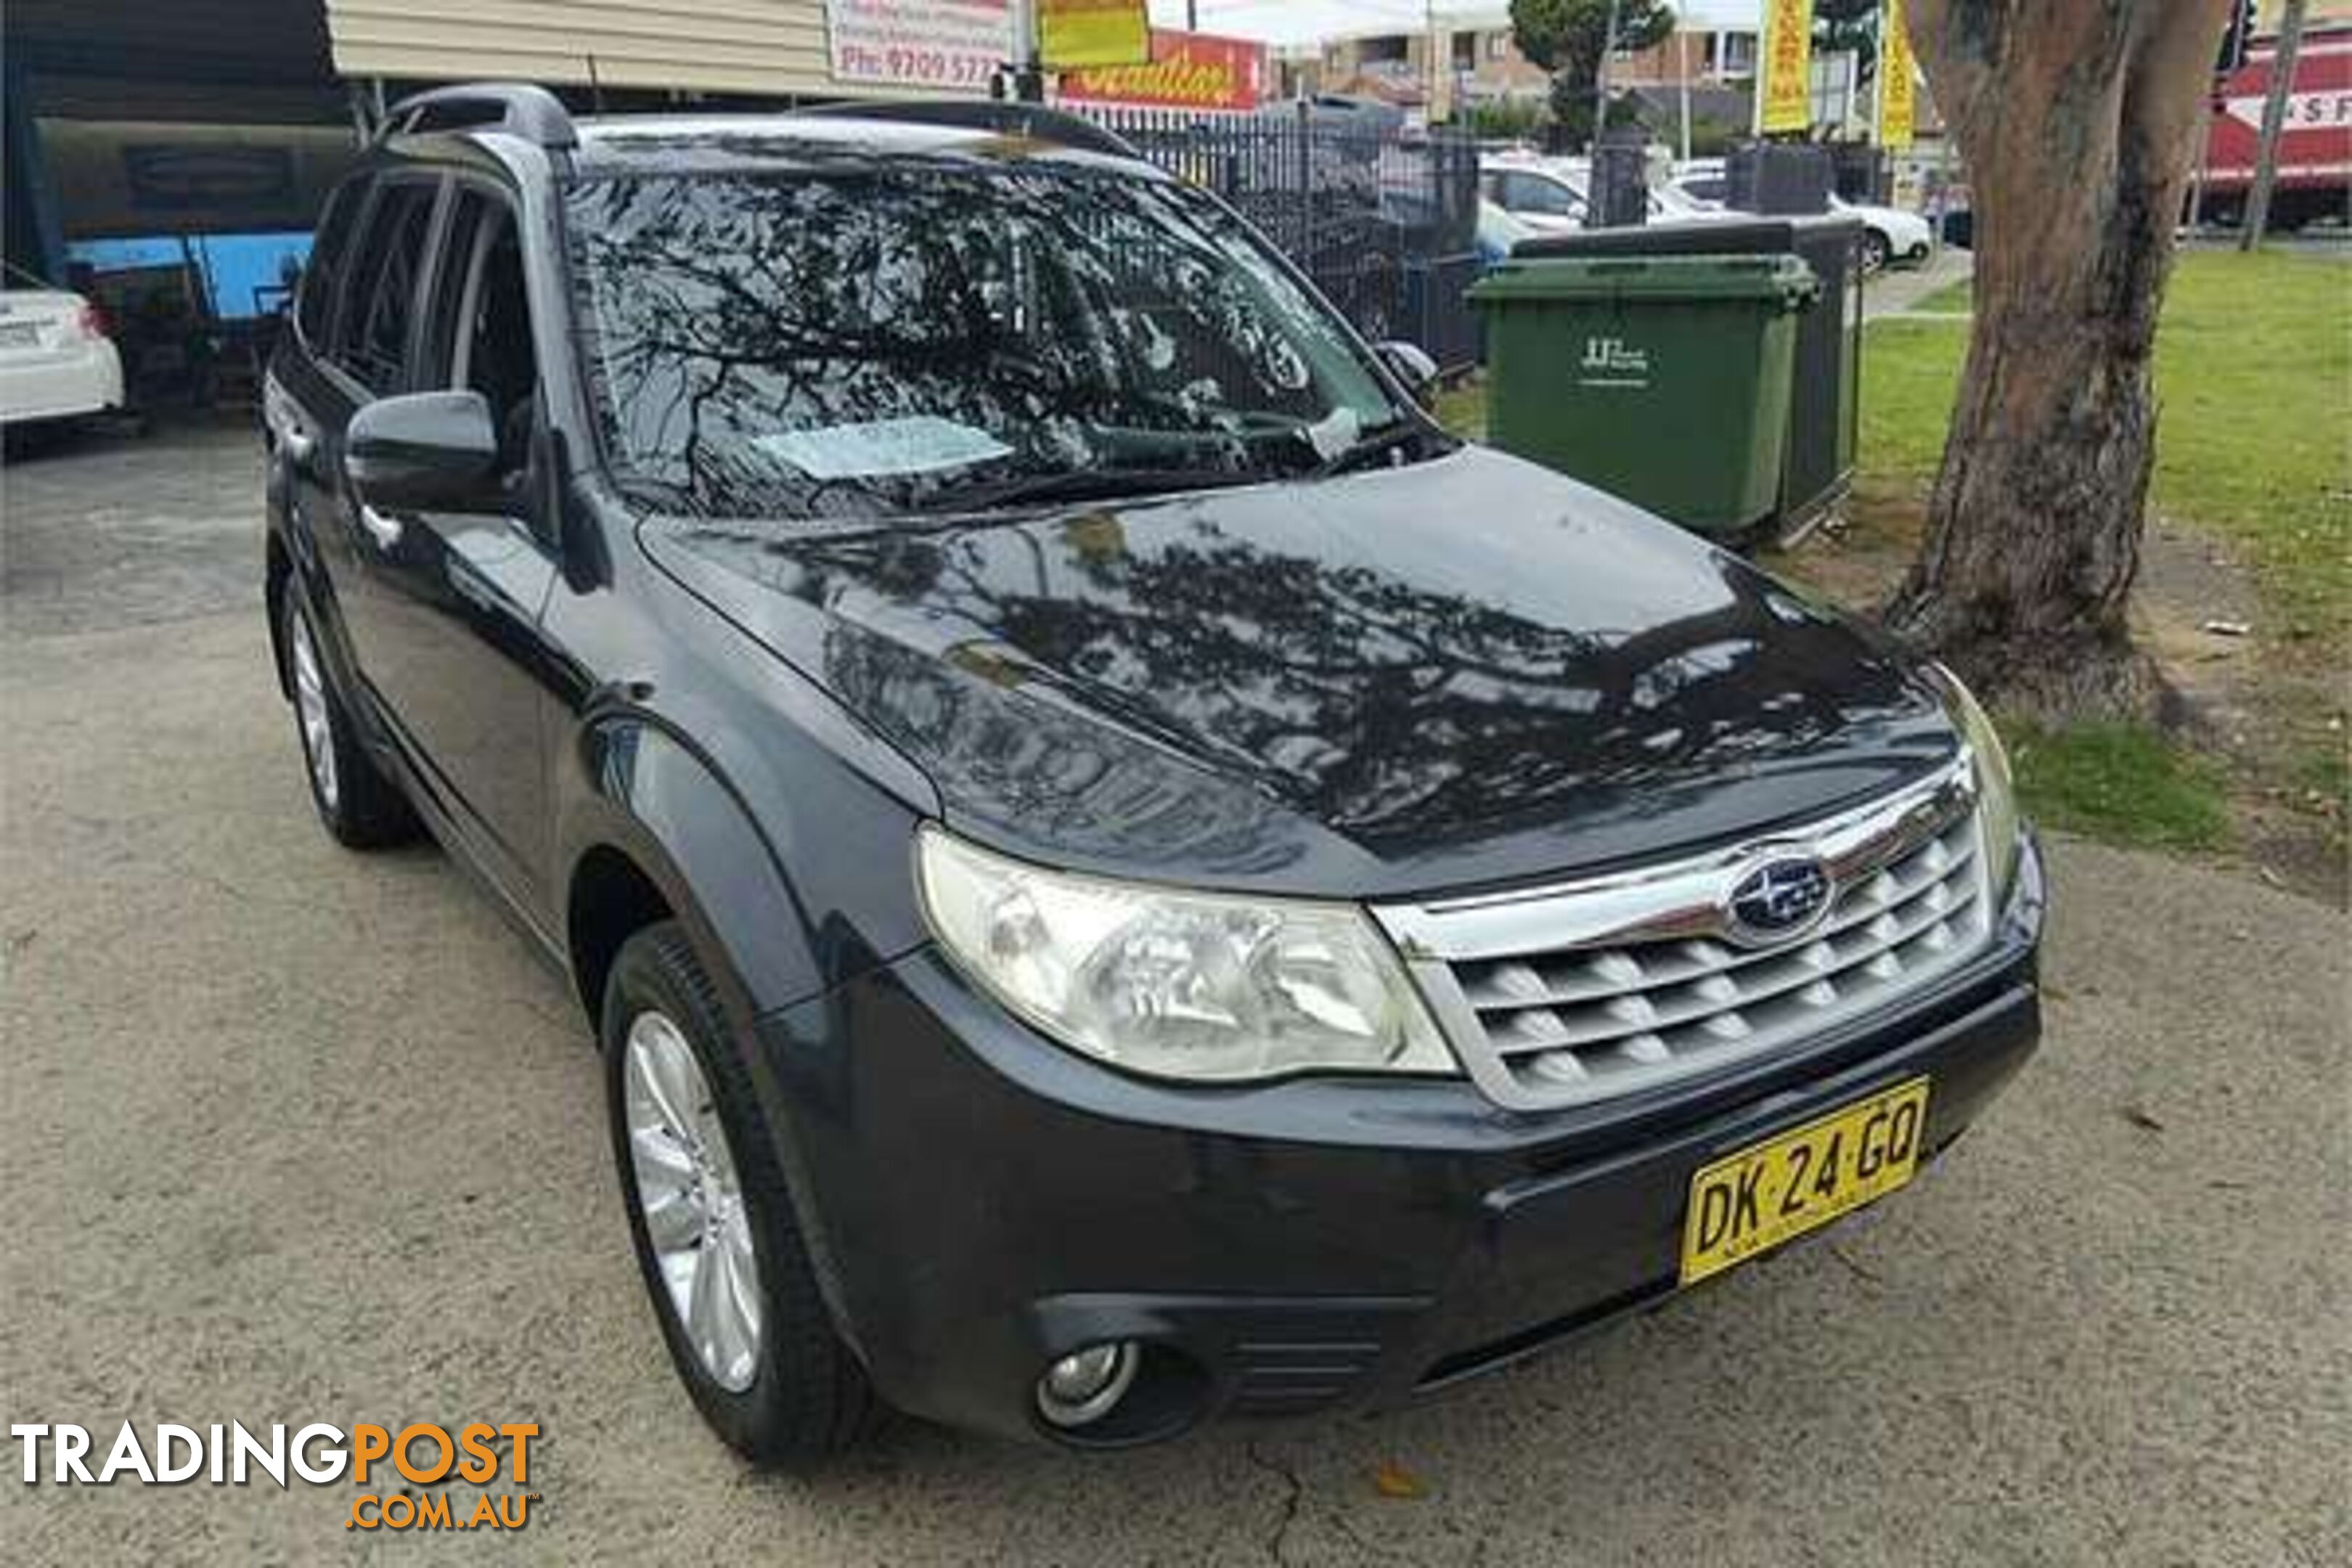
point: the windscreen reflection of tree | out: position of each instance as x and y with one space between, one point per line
1377 706
1064 317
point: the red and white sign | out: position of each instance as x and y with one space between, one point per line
2315 145
1188 71
950 46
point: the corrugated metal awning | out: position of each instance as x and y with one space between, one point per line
770 48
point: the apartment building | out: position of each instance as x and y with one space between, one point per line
1467 55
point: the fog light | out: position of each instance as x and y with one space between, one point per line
1083 1387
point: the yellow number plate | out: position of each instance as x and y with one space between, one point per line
1753 1201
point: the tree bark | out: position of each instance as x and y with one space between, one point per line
2076 118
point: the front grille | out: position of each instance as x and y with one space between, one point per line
1585 992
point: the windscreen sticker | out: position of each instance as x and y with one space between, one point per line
1331 436
918 444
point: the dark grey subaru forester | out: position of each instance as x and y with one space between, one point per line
1121 876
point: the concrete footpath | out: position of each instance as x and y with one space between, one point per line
295 1135
1894 291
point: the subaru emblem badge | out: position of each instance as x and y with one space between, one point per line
1778 901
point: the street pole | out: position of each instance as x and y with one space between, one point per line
1028 77
1755 82
1682 69
2194 217
2282 56
1191 15
1601 80
1430 87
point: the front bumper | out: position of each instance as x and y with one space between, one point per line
979 1200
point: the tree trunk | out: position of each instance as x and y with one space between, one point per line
2075 118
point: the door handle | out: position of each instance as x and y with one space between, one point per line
299 444
384 531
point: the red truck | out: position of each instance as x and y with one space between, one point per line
2315 165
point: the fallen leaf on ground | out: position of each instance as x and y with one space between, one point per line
2142 1119
1393 1479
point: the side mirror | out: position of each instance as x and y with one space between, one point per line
1413 367
423 450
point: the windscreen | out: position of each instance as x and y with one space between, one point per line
907 338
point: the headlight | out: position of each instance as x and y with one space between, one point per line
1996 793
1178 985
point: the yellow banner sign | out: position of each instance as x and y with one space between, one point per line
1081 34
1784 68
1896 105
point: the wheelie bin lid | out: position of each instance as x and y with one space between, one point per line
1697 237
1785 281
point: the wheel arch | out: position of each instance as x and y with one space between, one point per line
278 571
611 899
651 831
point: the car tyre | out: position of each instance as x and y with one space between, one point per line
1876 251
362 808
696 1158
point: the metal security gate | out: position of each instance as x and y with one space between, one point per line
1383 218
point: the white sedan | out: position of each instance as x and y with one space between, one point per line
1548 195
1889 235
1544 196
56 360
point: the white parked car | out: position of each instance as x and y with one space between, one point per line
1670 204
1543 193
1889 235
1498 232
1548 194
56 359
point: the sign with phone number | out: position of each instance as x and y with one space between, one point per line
951 44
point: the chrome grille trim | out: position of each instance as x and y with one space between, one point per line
1579 992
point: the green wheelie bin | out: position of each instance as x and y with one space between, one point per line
1664 380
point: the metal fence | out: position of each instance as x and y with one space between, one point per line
1384 219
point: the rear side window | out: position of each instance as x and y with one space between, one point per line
381 299
1532 194
318 274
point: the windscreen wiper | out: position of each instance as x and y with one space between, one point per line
1087 484
1376 442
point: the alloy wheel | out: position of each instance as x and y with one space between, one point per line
692 1201
311 709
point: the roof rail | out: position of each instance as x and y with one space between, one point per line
521 107
1030 120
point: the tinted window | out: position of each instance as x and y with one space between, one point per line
880 341
379 302
481 323
317 306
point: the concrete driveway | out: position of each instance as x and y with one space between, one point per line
294 1135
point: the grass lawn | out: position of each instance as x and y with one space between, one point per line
1461 408
2122 782
2254 426
2254 449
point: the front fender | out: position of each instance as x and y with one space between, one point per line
779 931
646 794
